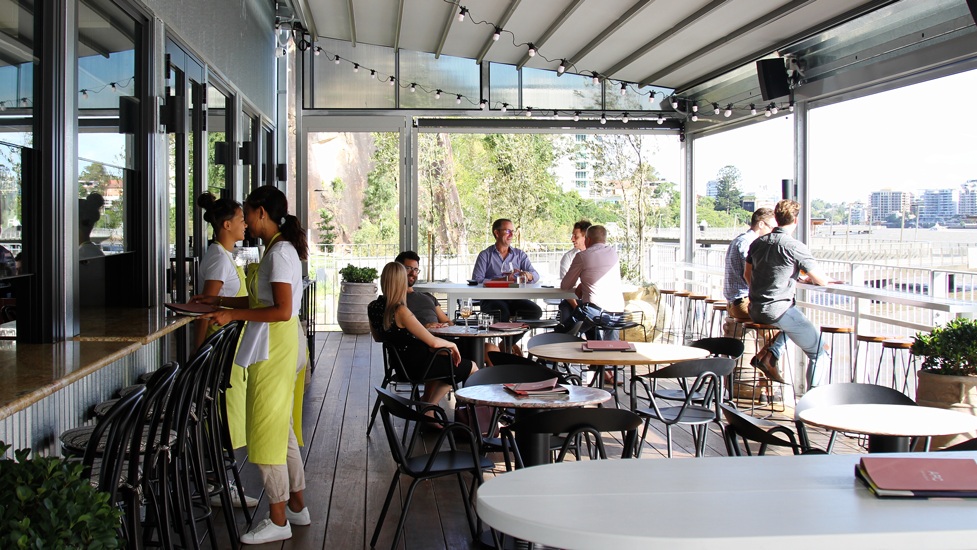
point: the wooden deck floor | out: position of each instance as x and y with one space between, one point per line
348 473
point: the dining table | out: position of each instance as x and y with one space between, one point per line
534 448
645 353
889 427
455 291
477 337
807 502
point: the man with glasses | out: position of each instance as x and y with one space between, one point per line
423 305
735 288
503 262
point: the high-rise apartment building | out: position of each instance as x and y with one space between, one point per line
937 206
968 199
887 201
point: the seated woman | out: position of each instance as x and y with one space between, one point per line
412 341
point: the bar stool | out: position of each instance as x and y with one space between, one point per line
666 295
766 332
832 332
899 348
695 317
678 310
868 340
717 312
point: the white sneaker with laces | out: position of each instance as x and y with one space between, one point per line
267 531
298 518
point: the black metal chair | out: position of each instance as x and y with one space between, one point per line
439 461
749 428
394 368
579 423
618 321
717 347
707 377
968 445
843 394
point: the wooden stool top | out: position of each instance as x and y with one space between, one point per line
698 297
872 338
898 343
667 291
683 293
718 305
712 300
838 330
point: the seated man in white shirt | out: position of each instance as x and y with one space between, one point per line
599 272
578 237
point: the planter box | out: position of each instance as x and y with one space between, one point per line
945 391
351 313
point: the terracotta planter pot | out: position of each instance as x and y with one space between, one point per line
958 393
351 312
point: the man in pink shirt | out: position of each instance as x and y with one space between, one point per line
599 272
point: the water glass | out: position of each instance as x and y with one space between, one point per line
485 321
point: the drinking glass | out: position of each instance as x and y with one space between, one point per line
485 321
466 311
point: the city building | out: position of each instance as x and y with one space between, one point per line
937 206
967 206
887 201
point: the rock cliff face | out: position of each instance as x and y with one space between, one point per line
342 156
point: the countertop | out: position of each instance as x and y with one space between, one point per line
142 325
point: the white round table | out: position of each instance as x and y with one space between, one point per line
889 427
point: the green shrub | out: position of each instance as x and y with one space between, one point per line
46 503
353 274
950 349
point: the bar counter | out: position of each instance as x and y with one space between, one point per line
128 324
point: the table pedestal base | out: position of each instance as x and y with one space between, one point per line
888 444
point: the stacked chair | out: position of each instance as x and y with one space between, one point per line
160 450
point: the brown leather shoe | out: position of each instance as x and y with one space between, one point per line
767 363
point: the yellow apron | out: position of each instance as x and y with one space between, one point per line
238 383
274 388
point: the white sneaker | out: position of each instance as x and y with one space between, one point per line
235 499
298 518
267 531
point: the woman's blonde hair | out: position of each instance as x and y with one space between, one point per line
393 285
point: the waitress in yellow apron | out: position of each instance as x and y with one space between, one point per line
270 352
223 278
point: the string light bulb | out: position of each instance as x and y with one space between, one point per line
461 14
790 106
413 86
651 97
505 107
624 88
563 67
625 118
356 67
767 113
3 106
596 78
373 73
661 119
695 107
532 50
392 81
729 111
497 34
674 102
603 118
576 116
773 108
458 99
529 111
24 102
481 105
752 109
84 93
437 94
715 108
317 51
695 117
336 60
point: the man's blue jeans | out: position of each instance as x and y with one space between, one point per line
803 333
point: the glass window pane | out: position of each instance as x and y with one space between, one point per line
452 74
503 85
339 87
17 65
216 133
108 120
543 89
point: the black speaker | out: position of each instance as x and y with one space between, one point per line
281 172
772 74
972 4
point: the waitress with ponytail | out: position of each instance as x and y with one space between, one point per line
275 360
225 279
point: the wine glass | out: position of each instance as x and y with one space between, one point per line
507 268
466 310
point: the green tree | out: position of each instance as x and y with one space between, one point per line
380 195
326 227
728 195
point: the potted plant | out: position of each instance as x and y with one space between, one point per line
47 503
948 373
357 291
